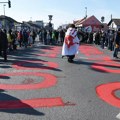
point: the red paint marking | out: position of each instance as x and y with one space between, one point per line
33 103
108 70
99 58
20 65
49 80
52 52
90 50
106 93
108 62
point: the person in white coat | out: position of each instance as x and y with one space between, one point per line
71 43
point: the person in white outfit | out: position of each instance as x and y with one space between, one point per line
71 43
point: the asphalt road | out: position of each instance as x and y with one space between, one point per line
37 84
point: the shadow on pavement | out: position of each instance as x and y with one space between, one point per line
5 67
14 105
4 77
94 63
80 62
31 64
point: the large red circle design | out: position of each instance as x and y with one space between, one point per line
106 93
20 65
49 80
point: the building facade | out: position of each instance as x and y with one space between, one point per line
114 24
90 24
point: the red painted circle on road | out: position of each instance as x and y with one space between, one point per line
20 65
106 93
49 80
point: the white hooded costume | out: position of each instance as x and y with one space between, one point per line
71 42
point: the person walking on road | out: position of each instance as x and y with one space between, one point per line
71 43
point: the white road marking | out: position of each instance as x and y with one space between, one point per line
118 116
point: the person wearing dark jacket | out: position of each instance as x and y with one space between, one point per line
3 44
117 44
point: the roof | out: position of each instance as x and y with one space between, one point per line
78 22
2 17
116 21
92 20
34 25
30 24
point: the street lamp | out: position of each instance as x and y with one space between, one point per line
4 16
50 19
4 9
102 19
85 12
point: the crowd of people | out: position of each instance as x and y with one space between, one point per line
11 39
52 37
109 39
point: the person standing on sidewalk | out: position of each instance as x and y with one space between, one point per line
71 43
103 38
10 40
117 44
3 44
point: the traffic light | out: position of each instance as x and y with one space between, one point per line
9 3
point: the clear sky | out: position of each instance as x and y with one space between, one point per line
63 11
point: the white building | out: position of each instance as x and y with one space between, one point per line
114 24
